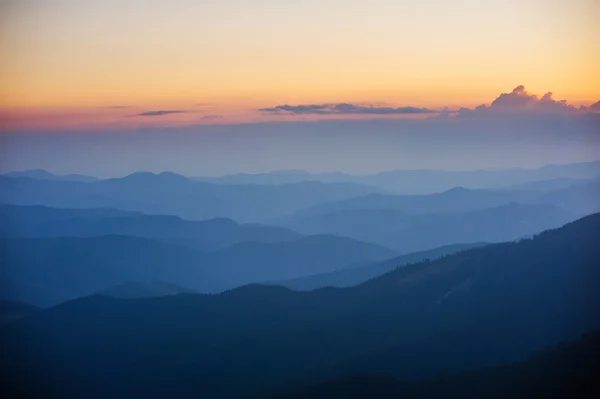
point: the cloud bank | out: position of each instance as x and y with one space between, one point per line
345 109
162 112
518 101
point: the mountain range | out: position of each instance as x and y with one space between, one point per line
359 273
576 198
47 271
408 233
207 235
171 194
45 175
430 181
398 181
481 307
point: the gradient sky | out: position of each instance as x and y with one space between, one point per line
224 86
77 64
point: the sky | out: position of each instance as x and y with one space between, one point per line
111 69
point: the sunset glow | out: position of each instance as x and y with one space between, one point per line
69 64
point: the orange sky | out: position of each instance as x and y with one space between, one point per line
66 62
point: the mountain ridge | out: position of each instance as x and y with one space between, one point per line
414 322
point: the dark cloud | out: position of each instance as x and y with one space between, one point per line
299 109
162 112
345 109
212 117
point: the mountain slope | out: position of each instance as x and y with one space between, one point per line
255 262
46 271
481 307
208 235
409 233
145 290
11 311
351 276
570 369
457 199
577 198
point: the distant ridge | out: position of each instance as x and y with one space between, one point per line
45 175
410 223
423 181
172 194
206 235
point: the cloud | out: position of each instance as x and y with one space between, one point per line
162 112
595 108
298 109
345 109
520 101
212 117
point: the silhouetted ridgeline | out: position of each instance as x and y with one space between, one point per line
482 307
570 369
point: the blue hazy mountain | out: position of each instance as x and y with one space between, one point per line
415 232
481 307
578 198
255 262
46 271
280 177
45 175
582 197
208 235
457 199
428 181
548 185
151 289
357 274
172 194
